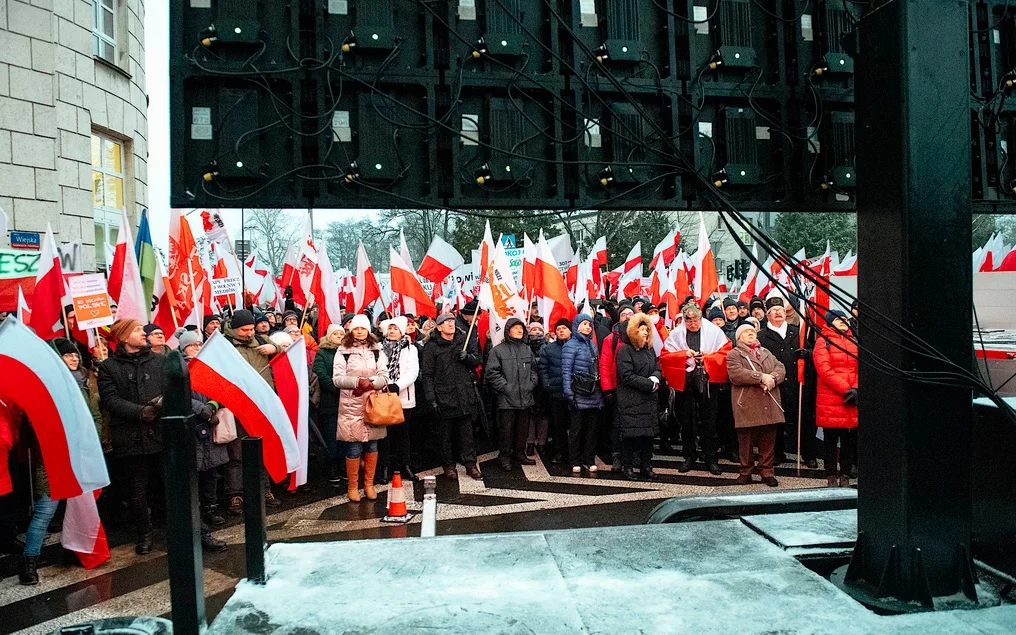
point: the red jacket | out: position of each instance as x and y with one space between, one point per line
608 366
836 363
8 436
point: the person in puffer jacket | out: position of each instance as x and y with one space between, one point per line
608 379
579 357
835 358
549 367
511 373
638 378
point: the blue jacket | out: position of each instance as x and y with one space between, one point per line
579 356
549 367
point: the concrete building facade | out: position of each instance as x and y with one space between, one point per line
73 119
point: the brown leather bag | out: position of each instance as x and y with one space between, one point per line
383 408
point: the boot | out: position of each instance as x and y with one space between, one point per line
812 464
382 475
211 515
524 460
270 500
236 505
353 475
450 473
505 462
369 469
333 476
832 481
616 463
530 449
629 473
713 467
687 465
211 543
144 545
648 473
771 481
408 473
27 574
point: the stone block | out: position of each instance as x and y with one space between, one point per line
15 115
66 116
76 202
43 56
114 114
17 181
34 216
67 172
30 150
64 8
83 15
85 174
27 20
84 122
44 120
70 89
74 37
94 100
46 188
15 49
70 229
5 84
31 85
85 68
5 146
75 147
43 4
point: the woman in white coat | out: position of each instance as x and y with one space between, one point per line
403 371
360 367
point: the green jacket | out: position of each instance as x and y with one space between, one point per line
249 351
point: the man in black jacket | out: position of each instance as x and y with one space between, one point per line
131 385
447 374
511 374
783 340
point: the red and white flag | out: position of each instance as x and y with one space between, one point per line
51 399
571 277
630 283
667 249
292 383
551 290
124 282
47 302
367 290
634 259
162 301
847 266
441 260
528 280
486 251
404 250
307 264
707 281
290 275
219 372
83 532
24 313
499 296
404 283
748 292
326 288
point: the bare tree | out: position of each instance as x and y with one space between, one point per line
271 232
420 227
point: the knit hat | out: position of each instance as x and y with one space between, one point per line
332 328
729 302
773 301
259 318
400 322
346 317
715 313
470 307
289 314
535 325
744 328
211 318
65 346
753 321
742 303
359 321
563 322
187 338
151 328
444 317
757 302
241 318
121 329
833 315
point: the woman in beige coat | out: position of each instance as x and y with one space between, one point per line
360 367
754 374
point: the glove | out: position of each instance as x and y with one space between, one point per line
851 397
148 413
393 388
207 412
363 385
463 355
802 353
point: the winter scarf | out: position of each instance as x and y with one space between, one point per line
394 348
781 329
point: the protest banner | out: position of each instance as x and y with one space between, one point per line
91 302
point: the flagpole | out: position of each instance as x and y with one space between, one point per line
472 324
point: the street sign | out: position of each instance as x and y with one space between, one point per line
508 241
25 240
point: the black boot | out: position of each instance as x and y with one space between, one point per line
687 464
714 467
334 479
524 460
530 449
210 513
505 462
408 473
28 575
616 466
211 543
144 546
648 473
383 476
629 473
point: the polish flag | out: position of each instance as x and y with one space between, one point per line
1008 262
124 282
219 372
706 280
598 256
83 532
555 303
630 284
24 313
441 260
486 251
571 277
634 259
658 281
326 289
292 383
51 399
47 302
367 291
307 265
404 250
612 278
254 276
847 266
225 267
162 301
499 298
670 297
667 249
748 292
529 249
291 277
346 296
404 283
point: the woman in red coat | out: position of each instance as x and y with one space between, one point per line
835 360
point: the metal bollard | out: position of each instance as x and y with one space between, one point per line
429 528
254 509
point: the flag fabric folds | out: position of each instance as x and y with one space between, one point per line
47 301
124 284
366 291
441 260
292 384
404 283
144 252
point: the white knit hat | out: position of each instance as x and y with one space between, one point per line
742 329
360 321
400 322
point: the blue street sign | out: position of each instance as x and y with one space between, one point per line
26 240
508 241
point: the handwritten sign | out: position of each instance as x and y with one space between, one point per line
18 264
226 286
91 302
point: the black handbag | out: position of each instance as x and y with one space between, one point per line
585 384
699 380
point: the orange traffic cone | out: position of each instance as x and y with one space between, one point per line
397 512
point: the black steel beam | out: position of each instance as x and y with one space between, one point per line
254 508
914 230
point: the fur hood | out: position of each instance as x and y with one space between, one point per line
327 344
633 336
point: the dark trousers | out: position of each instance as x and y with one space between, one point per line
539 424
582 437
513 428
457 431
8 513
398 441
329 424
640 448
559 420
725 432
207 482
137 474
847 451
762 437
698 418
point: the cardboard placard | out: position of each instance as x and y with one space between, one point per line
227 286
91 302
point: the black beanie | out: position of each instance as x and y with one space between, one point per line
212 318
347 318
65 346
241 318
757 302
728 302
774 301
742 303
563 322
151 328
716 313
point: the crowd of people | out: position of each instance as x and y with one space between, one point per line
592 386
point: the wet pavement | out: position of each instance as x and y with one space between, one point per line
529 498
